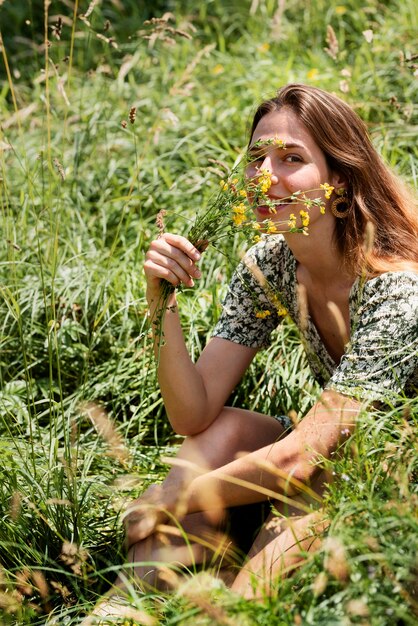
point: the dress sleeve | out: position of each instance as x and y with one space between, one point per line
383 351
248 316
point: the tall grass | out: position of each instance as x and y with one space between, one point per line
80 188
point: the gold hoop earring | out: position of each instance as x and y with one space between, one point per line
341 199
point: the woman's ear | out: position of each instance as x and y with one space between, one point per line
338 180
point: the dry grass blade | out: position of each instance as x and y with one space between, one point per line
106 429
285 479
190 68
219 544
303 306
369 237
339 320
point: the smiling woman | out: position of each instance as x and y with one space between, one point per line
295 165
358 322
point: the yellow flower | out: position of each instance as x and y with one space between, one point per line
239 208
292 221
328 190
238 219
322 210
223 185
264 47
271 228
305 218
256 238
280 309
312 74
264 182
218 69
279 143
340 9
242 193
255 225
262 314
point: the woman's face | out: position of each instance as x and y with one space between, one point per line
299 166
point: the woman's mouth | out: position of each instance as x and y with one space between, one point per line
268 211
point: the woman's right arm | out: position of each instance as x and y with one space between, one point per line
193 394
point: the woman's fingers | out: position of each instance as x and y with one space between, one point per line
172 257
142 523
143 515
182 243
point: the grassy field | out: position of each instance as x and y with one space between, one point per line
82 178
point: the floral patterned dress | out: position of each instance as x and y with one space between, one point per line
381 359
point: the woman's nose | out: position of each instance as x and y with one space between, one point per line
274 179
267 166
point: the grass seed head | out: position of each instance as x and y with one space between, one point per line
106 429
39 581
357 607
335 561
23 584
15 505
332 42
320 584
132 115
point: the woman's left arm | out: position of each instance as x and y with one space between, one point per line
319 434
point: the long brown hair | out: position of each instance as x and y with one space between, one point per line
376 196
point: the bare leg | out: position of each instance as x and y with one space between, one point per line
281 546
280 556
234 431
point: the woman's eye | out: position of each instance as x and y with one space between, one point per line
293 158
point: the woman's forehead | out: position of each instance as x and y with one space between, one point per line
284 125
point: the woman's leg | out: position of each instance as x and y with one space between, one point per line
199 540
282 545
280 556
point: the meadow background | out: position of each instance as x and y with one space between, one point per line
82 426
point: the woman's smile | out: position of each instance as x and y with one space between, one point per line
265 210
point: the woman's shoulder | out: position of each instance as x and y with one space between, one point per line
391 284
386 298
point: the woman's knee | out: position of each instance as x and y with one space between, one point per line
233 431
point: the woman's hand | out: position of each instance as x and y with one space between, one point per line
173 258
156 505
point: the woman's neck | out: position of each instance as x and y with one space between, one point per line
319 256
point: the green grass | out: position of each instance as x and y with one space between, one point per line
78 197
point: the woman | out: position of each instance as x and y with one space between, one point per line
358 273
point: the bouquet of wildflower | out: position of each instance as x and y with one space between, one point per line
220 218
230 210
